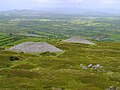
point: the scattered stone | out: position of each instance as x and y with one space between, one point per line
90 66
35 47
84 67
113 88
97 66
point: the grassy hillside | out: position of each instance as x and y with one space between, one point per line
62 71
67 70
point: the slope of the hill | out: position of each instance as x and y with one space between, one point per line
67 71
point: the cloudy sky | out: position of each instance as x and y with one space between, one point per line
84 4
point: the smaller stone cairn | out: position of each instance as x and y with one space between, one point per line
78 39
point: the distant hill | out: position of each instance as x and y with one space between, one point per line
63 11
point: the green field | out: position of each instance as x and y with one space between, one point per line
60 71
59 27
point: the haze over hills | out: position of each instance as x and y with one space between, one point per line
67 11
81 7
79 11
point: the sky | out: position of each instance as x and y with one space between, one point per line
82 4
